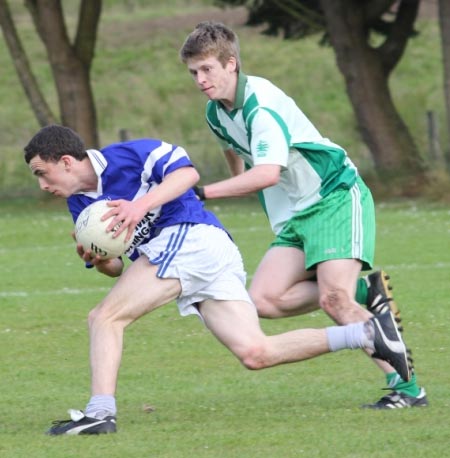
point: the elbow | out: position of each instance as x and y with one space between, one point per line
195 176
273 180
190 176
267 175
272 176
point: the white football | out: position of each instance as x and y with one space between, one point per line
90 231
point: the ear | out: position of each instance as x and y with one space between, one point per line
232 64
67 161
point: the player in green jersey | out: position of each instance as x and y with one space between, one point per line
319 208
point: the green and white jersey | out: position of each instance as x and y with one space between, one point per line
267 127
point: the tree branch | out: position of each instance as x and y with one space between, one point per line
394 46
86 36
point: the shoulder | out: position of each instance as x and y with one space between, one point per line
262 93
139 149
137 145
262 85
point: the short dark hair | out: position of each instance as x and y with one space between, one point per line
54 141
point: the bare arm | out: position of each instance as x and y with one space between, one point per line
242 182
110 267
235 163
131 213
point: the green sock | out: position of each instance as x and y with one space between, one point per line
361 291
395 382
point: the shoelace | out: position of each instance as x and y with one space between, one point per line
75 415
60 422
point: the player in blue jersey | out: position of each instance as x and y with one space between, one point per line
320 210
180 252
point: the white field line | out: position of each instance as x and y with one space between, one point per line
54 292
85 291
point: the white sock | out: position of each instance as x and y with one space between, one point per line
350 336
101 406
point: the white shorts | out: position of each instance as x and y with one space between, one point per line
204 259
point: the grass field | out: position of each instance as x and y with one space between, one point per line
205 404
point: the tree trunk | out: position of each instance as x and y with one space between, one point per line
75 96
71 64
37 101
395 154
444 21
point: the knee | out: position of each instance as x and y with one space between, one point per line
334 302
265 305
254 357
98 316
94 317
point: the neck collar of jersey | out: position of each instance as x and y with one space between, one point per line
99 164
240 91
239 95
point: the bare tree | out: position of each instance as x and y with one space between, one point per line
38 104
444 22
350 26
70 62
366 70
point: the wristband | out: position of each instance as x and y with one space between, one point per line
200 192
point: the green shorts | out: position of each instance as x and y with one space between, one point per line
340 226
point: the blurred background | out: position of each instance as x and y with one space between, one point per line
371 75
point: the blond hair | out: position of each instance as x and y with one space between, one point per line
211 39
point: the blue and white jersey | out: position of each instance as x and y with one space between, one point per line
128 170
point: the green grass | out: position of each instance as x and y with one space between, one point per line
206 404
140 84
